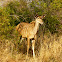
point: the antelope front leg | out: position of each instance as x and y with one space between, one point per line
33 44
28 44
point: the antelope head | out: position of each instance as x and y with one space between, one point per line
39 19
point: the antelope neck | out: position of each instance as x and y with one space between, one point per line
36 28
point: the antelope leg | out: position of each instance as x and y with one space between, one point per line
21 40
28 45
33 44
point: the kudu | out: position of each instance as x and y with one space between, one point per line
29 30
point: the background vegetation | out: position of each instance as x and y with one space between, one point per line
14 12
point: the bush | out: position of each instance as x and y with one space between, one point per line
5 27
52 23
18 11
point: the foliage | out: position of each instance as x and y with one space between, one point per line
56 5
52 23
38 7
20 11
4 22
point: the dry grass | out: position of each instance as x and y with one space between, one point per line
48 50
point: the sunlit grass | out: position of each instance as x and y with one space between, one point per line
50 50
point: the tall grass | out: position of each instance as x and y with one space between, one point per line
47 49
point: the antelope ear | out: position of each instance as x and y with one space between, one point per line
42 16
36 15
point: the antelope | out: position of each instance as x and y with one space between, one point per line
29 30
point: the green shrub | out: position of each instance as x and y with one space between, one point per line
5 27
52 23
16 12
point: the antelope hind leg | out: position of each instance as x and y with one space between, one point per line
21 40
33 44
